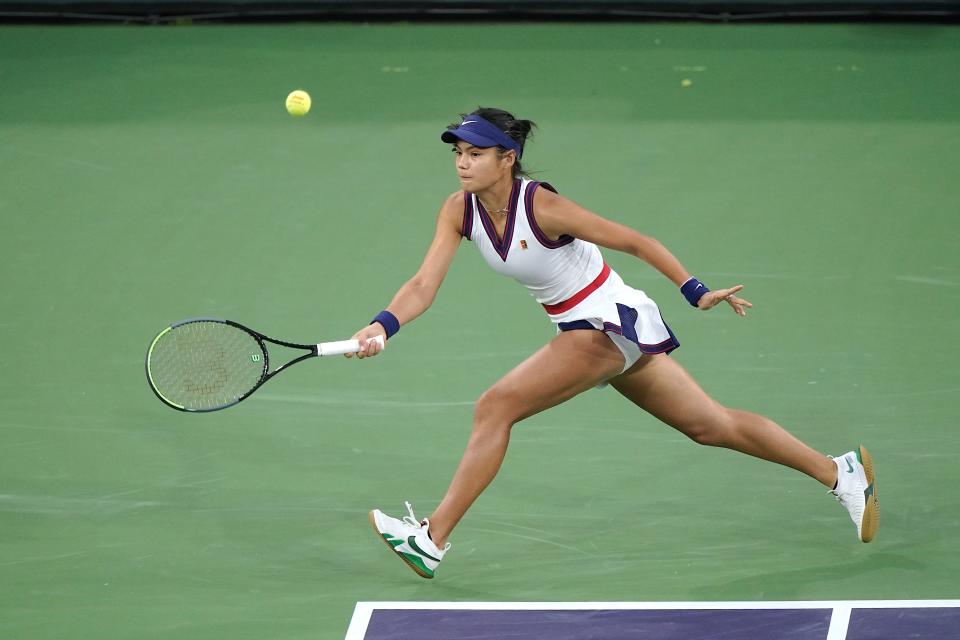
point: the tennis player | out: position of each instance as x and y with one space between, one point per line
607 333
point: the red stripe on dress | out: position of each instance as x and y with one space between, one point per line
579 296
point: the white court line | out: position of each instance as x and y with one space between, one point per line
586 606
923 280
838 622
365 402
359 622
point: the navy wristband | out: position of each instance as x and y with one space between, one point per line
389 321
693 290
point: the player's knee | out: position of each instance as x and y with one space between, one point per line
711 430
496 409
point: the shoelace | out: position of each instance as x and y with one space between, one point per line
845 497
836 493
413 522
411 519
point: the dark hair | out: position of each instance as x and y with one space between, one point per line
519 130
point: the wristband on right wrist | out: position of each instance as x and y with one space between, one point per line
389 321
693 290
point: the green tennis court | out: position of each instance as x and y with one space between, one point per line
151 174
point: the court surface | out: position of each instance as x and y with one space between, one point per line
151 174
845 620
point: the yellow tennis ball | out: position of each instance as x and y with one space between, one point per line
298 103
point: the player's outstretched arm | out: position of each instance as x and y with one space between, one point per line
557 216
419 292
713 298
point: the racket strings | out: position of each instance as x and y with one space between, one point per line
205 365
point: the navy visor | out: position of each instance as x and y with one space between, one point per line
481 133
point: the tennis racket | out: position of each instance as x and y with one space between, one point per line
206 364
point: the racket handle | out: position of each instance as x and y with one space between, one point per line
340 347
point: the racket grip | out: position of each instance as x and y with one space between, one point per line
340 347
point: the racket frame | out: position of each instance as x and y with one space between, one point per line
312 349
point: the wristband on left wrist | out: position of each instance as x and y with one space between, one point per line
693 290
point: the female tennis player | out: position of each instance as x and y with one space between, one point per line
607 333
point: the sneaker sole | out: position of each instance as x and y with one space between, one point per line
416 569
871 510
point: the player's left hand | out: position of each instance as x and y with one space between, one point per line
713 298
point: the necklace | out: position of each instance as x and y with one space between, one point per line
501 212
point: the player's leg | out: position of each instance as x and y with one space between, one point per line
571 363
660 386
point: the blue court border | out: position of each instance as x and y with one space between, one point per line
839 621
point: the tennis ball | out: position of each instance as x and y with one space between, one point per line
686 82
298 103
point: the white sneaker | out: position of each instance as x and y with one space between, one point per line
857 491
409 539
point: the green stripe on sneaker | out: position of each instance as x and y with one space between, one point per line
412 541
395 542
415 559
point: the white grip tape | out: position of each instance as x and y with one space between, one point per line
340 347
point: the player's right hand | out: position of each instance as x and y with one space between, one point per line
368 345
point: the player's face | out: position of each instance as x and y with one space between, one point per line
479 168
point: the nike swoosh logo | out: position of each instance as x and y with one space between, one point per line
849 466
412 541
468 122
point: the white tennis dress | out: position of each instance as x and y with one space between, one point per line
568 276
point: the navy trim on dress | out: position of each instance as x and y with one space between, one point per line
628 331
532 220
466 228
502 247
576 324
628 323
